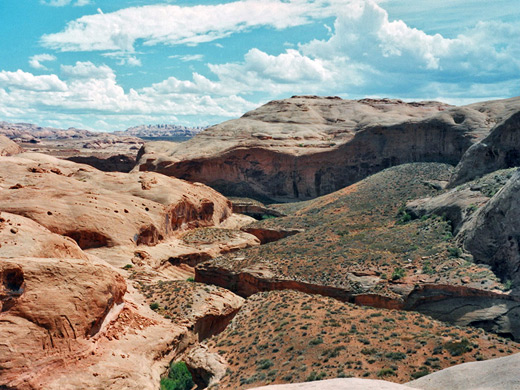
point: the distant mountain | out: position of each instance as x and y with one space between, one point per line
161 131
29 131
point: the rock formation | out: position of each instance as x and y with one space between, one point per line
8 147
49 310
499 150
338 384
494 374
304 147
99 209
22 237
492 235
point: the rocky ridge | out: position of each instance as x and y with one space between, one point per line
304 147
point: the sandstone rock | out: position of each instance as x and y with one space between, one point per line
50 308
499 150
33 240
455 205
207 368
304 147
492 235
338 384
99 209
494 374
8 147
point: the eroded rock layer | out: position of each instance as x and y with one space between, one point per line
304 147
49 308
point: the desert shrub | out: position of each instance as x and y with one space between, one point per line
398 273
385 372
396 355
265 364
454 252
419 374
154 306
457 348
179 378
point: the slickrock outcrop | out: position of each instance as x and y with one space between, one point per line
100 209
22 237
8 147
493 374
499 150
492 236
338 384
306 146
203 309
49 309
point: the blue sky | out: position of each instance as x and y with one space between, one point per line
111 64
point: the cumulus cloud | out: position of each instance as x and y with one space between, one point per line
29 82
36 60
88 91
368 54
175 25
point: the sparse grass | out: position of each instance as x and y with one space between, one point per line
274 340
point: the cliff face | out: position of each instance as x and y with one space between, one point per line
492 236
304 147
499 150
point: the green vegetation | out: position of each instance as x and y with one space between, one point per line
154 306
385 372
457 348
128 266
455 252
179 378
190 279
398 274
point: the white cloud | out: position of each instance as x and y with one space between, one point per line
174 25
87 70
62 3
81 3
189 57
368 54
36 60
29 82
89 91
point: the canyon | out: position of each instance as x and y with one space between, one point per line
391 255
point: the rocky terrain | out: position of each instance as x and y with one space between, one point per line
308 146
25 132
288 336
401 272
165 131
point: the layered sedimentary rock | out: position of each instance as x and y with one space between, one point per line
304 147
